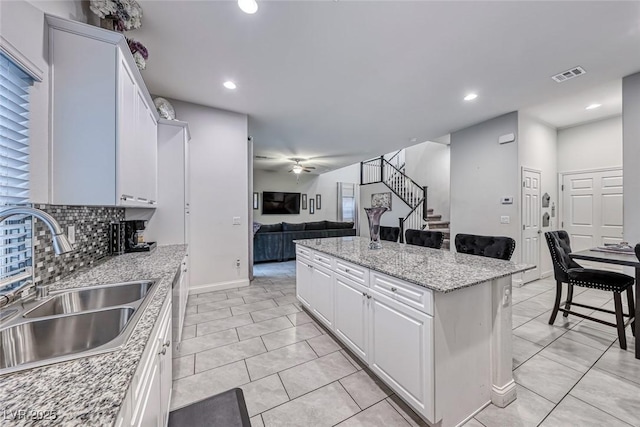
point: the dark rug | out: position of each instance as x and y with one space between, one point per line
226 409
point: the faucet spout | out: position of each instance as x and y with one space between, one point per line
60 241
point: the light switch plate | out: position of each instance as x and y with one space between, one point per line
236 220
505 219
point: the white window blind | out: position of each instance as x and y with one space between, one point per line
16 232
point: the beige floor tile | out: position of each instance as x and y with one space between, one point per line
473 423
621 363
217 305
611 394
264 394
574 412
380 415
309 376
326 406
248 308
523 350
573 354
188 332
206 342
206 298
263 328
256 421
228 354
324 345
290 336
183 366
539 332
262 315
365 388
407 413
194 319
357 363
196 387
528 410
262 297
585 334
278 360
299 318
288 299
547 378
223 324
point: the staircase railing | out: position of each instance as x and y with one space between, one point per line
380 170
397 159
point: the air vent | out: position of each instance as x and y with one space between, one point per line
263 157
569 74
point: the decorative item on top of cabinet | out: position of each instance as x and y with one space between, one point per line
118 15
139 52
165 109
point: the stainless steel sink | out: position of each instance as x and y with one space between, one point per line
73 324
92 298
52 337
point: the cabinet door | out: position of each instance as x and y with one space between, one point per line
401 351
303 281
127 146
351 315
322 295
165 366
140 172
149 157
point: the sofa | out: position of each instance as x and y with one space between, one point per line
274 242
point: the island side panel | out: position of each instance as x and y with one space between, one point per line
462 333
503 389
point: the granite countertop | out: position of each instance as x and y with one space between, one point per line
439 270
90 391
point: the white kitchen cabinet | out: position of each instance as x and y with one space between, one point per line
304 274
103 121
401 350
352 315
322 294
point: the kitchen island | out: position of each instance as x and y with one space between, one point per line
434 325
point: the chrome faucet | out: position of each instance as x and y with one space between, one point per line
61 245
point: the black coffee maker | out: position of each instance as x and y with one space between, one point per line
134 237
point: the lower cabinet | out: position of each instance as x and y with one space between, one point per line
147 402
304 271
352 315
322 295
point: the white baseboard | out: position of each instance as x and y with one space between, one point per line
502 396
220 286
546 274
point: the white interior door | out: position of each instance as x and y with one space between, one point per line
531 217
592 208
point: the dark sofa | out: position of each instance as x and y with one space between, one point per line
274 242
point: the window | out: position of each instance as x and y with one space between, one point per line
347 202
16 232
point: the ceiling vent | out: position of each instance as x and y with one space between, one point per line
264 157
569 74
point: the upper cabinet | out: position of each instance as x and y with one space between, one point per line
104 140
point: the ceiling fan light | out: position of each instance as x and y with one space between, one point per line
248 6
297 169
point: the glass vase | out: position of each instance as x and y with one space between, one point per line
374 215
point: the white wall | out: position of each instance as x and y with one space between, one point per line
593 145
538 149
482 172
389 218
22 28
631 172
219 186
429 164
324 184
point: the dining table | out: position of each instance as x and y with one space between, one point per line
617 258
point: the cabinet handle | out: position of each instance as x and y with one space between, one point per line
364 294
167 344
394 289
163 352
310 266
346 270
143 200
125 197
368 296
152 202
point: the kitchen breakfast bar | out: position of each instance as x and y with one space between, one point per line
434 325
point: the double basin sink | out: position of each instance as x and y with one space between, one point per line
72 324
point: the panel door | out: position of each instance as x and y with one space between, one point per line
166 370
141 172
323 295
303 282
351 315
401 351
592 208
127 136
531 227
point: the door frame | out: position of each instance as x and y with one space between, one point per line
561 175
522 213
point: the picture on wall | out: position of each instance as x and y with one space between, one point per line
304 202
379 200
318 204
256 199
312 208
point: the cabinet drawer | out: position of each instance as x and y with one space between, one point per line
412 295
321 260
352 271
303 252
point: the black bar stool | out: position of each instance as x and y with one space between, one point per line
428 239
487 246
389 234
568 271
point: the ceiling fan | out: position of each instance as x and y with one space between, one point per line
298 168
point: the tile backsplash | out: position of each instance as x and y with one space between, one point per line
92 239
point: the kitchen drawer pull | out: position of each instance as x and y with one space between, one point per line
394 289
364 294
346 270
125 197
368 296
163 352
167 344
309 265
152 202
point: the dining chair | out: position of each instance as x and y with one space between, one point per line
390 234
568 271
426 238
638 253
487 246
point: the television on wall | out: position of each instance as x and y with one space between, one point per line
279 203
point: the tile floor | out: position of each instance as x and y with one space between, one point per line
294 374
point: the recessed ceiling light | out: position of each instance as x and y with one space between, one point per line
471 97
229 84
248 6
593 106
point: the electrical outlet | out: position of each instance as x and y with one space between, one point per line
71 234
236 220
238 263
506 297
505 219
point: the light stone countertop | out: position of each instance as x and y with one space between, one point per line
89 391
436 269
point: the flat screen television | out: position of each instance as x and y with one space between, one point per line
279 203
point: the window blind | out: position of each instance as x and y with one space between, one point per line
16 248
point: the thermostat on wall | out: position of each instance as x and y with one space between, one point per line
504 139
506 200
